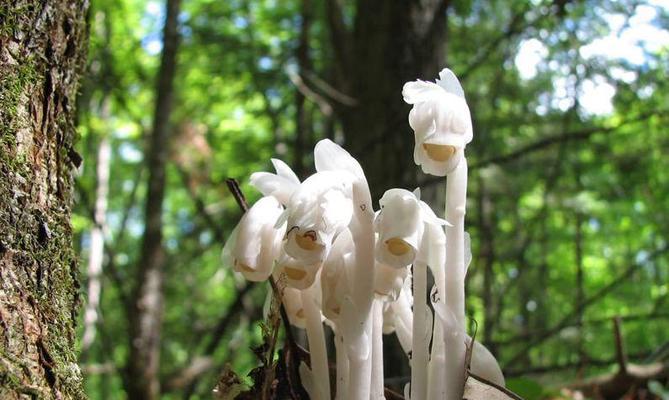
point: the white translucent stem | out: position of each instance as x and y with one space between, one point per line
377 351
436 387
360 366
456 198
342 366
419 337
316 338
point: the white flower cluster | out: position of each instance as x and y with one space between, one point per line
347 266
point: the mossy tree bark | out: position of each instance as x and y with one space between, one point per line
42 49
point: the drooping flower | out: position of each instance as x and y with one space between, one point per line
256 241
316 212
399 227
441 122
401 224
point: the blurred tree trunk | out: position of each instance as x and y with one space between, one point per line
390 43
302 120
42 51
146 313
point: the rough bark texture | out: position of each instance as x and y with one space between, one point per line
390 43
146 313
42 49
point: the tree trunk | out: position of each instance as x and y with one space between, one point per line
391 42
146 312
42 50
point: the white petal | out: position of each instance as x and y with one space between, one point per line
274 185
282 169
450 83
419 91
329 156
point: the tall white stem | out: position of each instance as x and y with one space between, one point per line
436 387
317 350
342 366
359 316
377 351
456 198
419 348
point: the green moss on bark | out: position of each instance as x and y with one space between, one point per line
37 263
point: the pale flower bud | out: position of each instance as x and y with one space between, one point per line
441 122
256 242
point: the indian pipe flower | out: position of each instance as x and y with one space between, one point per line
441 122
316 212
256 241
400 225
297 274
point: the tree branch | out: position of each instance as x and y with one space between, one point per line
567 320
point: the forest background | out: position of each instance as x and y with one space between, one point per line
568 205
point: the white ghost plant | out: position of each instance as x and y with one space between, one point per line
365 273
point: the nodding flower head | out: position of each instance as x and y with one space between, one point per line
318 210
256 241
402 224
441 122
297 274
399 226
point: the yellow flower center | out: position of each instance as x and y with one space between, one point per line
439 152
294 273
307 241
397 246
